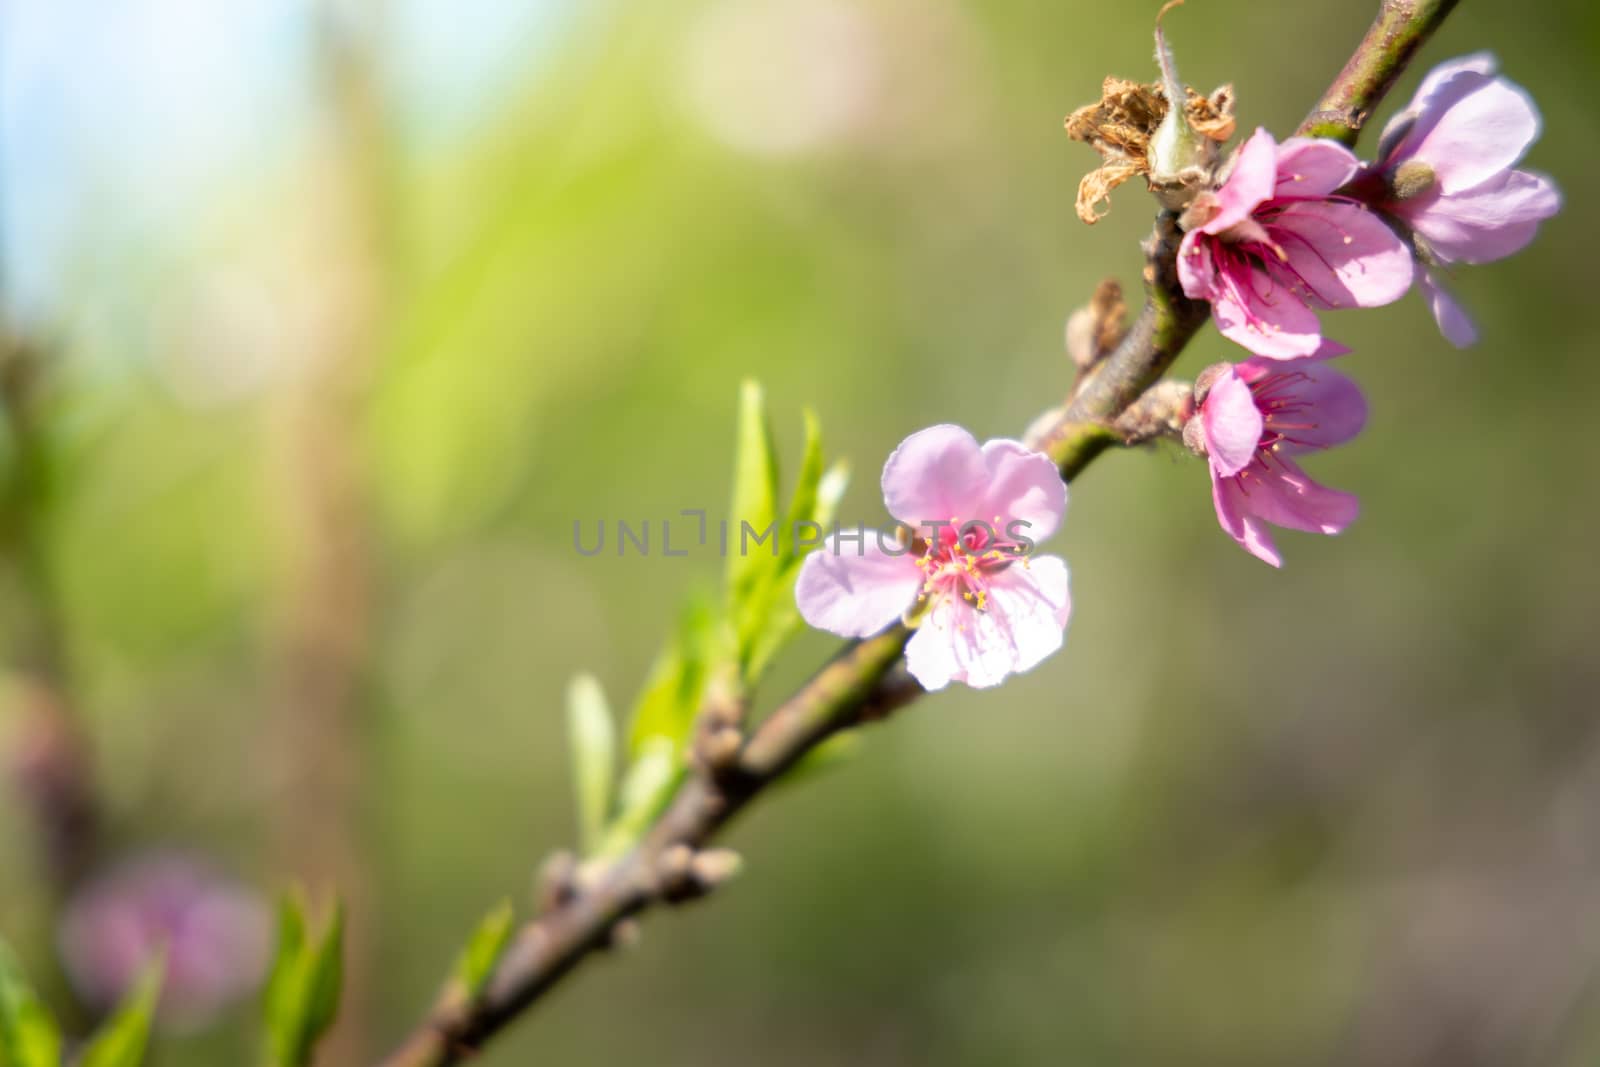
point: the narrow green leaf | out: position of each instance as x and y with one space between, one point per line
836 750
28 1036
281 995
325 981
122 1041
803 503
646 788
484 948
781 616
830 491
672 693
755 497
593 738
303 990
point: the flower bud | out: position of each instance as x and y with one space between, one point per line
1194 435
1098 327
714 866
1181 157
1162 411
1208 378
1411 179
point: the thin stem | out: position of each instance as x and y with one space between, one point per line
867 678
1402 27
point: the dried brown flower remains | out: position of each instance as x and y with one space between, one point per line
1120 125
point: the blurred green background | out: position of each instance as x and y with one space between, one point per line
324 368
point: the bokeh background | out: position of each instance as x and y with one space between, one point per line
327 320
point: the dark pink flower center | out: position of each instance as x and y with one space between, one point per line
1284 409
962 560
1285 413
1256 255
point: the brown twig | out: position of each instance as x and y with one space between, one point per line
866 678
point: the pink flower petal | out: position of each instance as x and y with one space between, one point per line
1310 168
1267 318
937 473
1285 495
1487 222
1343 254
1032 605
1474 127
855 595
1024 486
1197 272
1439 78
930 654
1328 408
1251 533
1454 322
1024 623
1433 87
1251 181
1232 425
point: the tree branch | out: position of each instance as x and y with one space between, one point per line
866 679
1402 27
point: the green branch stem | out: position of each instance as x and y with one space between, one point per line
591 910
1401 28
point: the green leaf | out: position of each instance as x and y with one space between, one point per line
593 738
836 750
755 499
484 948
780 615
830 491
325 983
646 788
672 693
28 1036
803 504
122 1040
280 997
752 610
303 990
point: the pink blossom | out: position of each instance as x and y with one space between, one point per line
215 936
1446 173
1274 243
983 607
1254 418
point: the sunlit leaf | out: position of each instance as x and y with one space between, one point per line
645 790
122 1040
484 948
673 690
28 1036
303 991
755 503
780 616
593 738
803 502
833 752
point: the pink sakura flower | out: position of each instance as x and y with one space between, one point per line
1274 243
214 934
1446 173
1254 417
983 607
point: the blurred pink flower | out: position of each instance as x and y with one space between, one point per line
1273 243
985 608
215 935
1254 417
1445 171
